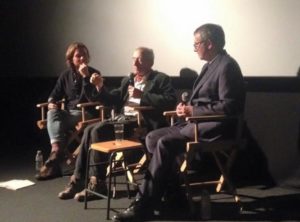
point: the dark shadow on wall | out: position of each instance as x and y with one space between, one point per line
251 164
188 73
185 82
19 98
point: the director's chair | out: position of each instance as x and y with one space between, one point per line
223 151
75 134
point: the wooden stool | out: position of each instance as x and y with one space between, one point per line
112 148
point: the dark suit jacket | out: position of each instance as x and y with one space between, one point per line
219 89
158 93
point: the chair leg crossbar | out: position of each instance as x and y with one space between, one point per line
223 180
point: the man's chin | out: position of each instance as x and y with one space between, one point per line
139 73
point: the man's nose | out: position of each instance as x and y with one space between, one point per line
135 62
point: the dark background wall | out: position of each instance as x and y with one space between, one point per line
28 64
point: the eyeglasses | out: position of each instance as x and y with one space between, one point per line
197 44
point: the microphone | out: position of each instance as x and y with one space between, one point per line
184 98
131 79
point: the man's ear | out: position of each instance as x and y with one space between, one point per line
209 44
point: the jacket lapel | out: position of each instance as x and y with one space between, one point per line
149 82
199 81
206 73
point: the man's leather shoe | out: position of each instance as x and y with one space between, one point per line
73 187
51 168
135 212
54 159
94 185
47 173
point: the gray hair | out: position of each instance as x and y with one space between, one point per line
212 32
147 54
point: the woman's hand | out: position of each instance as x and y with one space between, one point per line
53 106
83 70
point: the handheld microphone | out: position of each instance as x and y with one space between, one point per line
131 79
184 98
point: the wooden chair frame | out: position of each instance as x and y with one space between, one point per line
76 134
224 147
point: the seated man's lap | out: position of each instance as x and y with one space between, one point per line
164 135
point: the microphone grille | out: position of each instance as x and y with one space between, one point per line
185 97
131 79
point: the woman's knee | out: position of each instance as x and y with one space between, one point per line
53 114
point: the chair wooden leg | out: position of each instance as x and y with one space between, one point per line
220 184
128 175
87 178
226 178
118 157
184 170
141 163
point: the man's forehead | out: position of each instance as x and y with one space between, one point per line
197 36
137 54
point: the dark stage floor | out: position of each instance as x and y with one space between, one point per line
39 203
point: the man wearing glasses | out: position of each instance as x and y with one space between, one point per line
219 89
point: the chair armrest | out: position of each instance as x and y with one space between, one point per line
142 108
40 105
170 113
87 104
170 116
83 106
207 118
42 123
43 105
84 122
100 107
139 109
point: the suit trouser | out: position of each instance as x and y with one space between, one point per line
165 145
94 133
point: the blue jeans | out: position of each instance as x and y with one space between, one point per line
59 122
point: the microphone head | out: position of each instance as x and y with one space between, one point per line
185 97
131 79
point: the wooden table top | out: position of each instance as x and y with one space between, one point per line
112 145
